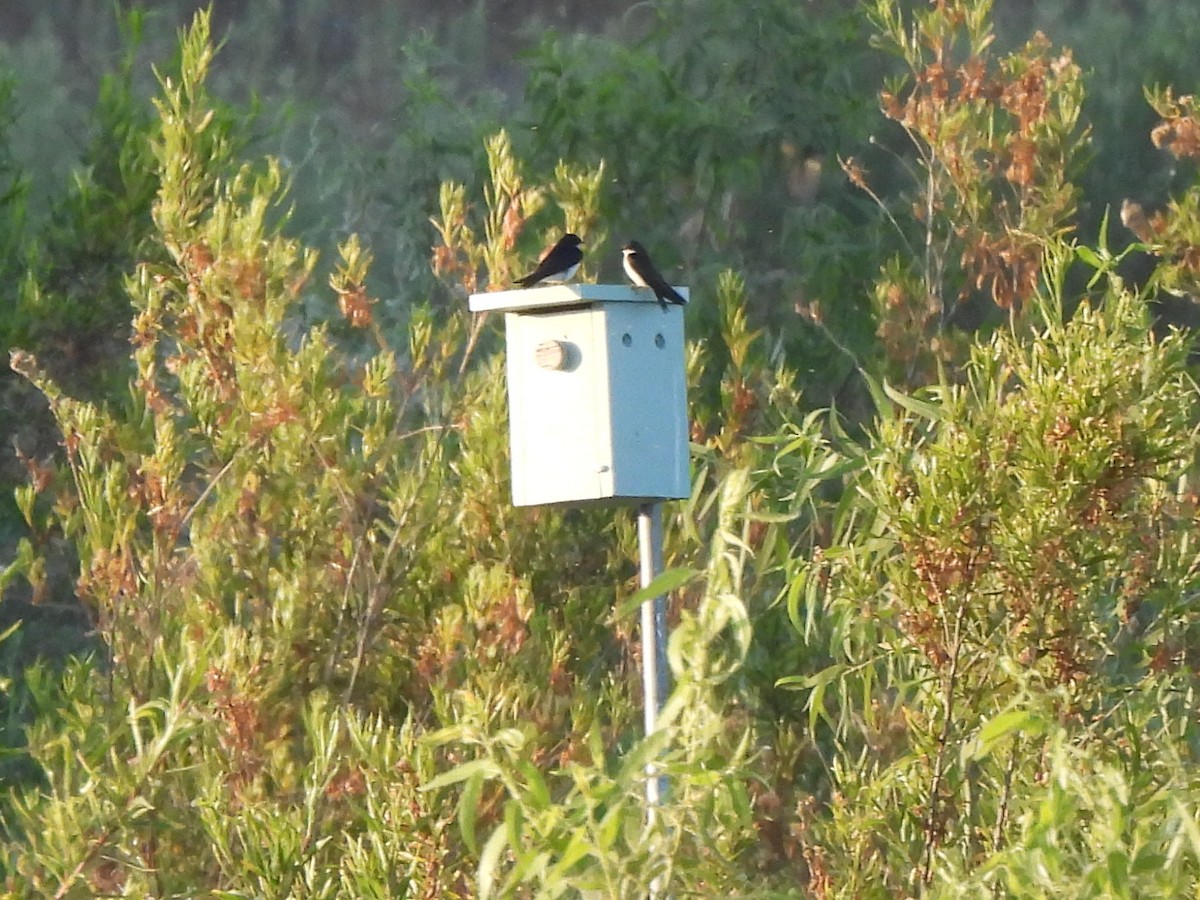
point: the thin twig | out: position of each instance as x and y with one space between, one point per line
379 575
939 765
211 486
866 188
477 322
1005 796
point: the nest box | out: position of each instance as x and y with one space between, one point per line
597 395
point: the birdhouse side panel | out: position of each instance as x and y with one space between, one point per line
557 433
648 389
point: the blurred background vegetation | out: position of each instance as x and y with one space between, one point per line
720 125
896 672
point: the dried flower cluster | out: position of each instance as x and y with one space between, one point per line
996 138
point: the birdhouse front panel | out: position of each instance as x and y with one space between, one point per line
561 447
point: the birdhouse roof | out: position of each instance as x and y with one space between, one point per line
560 295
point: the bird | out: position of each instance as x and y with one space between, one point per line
559 263
641 272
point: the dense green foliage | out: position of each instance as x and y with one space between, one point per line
935 637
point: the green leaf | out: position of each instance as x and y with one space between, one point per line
817 683
665 583
1088 255
468 808
883 406
1146 862
538 793
922 408
610 827
512 739
770 518
451 734
485 768
795 592
9 631
489 859
577 848
803 682
1190 828
1118 872
1000 727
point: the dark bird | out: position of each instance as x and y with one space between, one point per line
641 272
559 263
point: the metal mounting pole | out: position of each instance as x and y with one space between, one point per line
655 672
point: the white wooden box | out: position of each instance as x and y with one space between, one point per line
597 394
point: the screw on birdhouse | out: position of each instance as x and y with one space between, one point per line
627 339
659 341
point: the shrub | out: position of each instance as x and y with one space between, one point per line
1013 613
